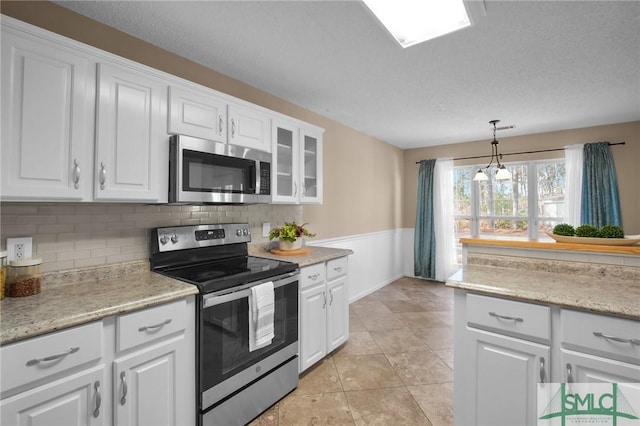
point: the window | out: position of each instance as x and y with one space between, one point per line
526 206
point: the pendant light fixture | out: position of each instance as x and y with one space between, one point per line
502 173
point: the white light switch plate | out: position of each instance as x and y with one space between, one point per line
266 228
19 248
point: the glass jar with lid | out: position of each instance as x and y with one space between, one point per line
24 277
3 272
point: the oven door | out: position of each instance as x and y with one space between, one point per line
201 171
225 362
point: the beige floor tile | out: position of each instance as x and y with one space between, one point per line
325 409
403 306
436 401
355 324
359 343
418 368
385 407
420 319
321 378
382 322
366 372
446 355
364 308
398 341
445 317
436 337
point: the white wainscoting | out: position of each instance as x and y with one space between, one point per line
378 259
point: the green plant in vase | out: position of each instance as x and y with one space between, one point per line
290 235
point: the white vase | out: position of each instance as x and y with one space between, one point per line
289 245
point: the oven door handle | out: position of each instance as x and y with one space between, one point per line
217 299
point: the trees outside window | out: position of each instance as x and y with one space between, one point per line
527 206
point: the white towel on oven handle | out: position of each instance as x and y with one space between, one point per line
261 316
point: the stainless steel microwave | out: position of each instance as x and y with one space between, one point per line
202 171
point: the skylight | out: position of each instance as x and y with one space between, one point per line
415 21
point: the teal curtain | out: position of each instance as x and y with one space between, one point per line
600 199
424 250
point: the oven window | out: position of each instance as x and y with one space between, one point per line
224 345
204 172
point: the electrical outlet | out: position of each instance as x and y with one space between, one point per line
266 228
19 248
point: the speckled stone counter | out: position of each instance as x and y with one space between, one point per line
603 295
317 255
72 298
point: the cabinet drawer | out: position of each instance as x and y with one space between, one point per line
509 317
601 335
41 357
150 324
337 268
314 274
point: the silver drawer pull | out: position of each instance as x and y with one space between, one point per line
152 327
313 277
103 175
338 269
98 401
36 361
123 380
504 317
616 339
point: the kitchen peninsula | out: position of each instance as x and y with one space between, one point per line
536 312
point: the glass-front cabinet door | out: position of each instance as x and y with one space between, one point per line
285 167
311 166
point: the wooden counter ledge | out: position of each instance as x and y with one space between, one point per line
634 249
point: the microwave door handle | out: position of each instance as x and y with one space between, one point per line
257 177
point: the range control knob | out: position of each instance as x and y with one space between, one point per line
239 232
245 232
164 239
174 238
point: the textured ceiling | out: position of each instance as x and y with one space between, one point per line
540 65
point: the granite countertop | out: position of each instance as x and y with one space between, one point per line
617 297
72 298
317 254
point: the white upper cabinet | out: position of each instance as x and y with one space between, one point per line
311 166
249 127
297 163
197 114
47 113
284 169
129 120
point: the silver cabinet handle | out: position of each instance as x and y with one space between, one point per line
220 125
123 381
103 175
569 376
36 361
505 317
152 327
76 173
295 189
313 277
542 372
338 269
98 400
233 127
616 339
331 299
324 294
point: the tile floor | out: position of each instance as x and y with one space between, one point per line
396 368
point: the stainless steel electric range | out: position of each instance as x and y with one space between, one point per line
234 384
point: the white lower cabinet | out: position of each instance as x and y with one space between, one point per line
324 310
504 348
63 378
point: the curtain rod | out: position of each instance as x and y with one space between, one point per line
522 152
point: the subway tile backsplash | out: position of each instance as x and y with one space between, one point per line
78 235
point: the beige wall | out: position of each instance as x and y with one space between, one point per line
626 157
362 175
